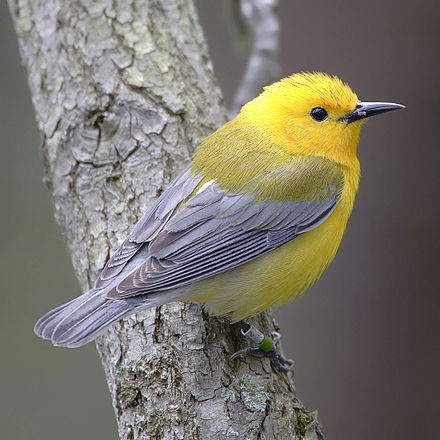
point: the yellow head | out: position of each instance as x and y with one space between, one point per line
312 114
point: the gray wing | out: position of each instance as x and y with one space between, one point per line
148 226
214 232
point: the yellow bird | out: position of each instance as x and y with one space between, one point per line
252 223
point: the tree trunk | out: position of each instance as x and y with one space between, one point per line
123 91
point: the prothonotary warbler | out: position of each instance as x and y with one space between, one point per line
252 223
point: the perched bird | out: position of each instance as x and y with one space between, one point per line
252 223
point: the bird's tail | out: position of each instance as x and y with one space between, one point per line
84 318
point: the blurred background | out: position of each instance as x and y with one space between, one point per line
365 338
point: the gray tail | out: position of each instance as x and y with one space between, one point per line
83 319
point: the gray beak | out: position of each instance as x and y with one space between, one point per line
366 109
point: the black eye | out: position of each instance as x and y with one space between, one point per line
318 114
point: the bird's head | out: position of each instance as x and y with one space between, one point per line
313 114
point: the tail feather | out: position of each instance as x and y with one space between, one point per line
46 325
83 319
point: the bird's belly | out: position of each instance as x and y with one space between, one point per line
275 277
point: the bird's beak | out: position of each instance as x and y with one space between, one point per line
365 109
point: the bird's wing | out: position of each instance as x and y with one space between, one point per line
148 226
217 230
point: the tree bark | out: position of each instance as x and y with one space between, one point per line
123 91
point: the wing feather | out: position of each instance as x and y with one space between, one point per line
148 226
198 229
212 234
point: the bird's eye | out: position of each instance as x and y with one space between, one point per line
318 114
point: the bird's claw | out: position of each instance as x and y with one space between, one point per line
278 360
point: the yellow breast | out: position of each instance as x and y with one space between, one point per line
282 274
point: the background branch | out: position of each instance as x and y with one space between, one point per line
263 67
123 90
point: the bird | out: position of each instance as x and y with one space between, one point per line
251 223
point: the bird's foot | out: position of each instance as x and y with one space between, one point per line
265 348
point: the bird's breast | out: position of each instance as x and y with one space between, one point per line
279 275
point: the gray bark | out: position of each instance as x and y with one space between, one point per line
123 91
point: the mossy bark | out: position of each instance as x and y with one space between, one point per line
123 91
